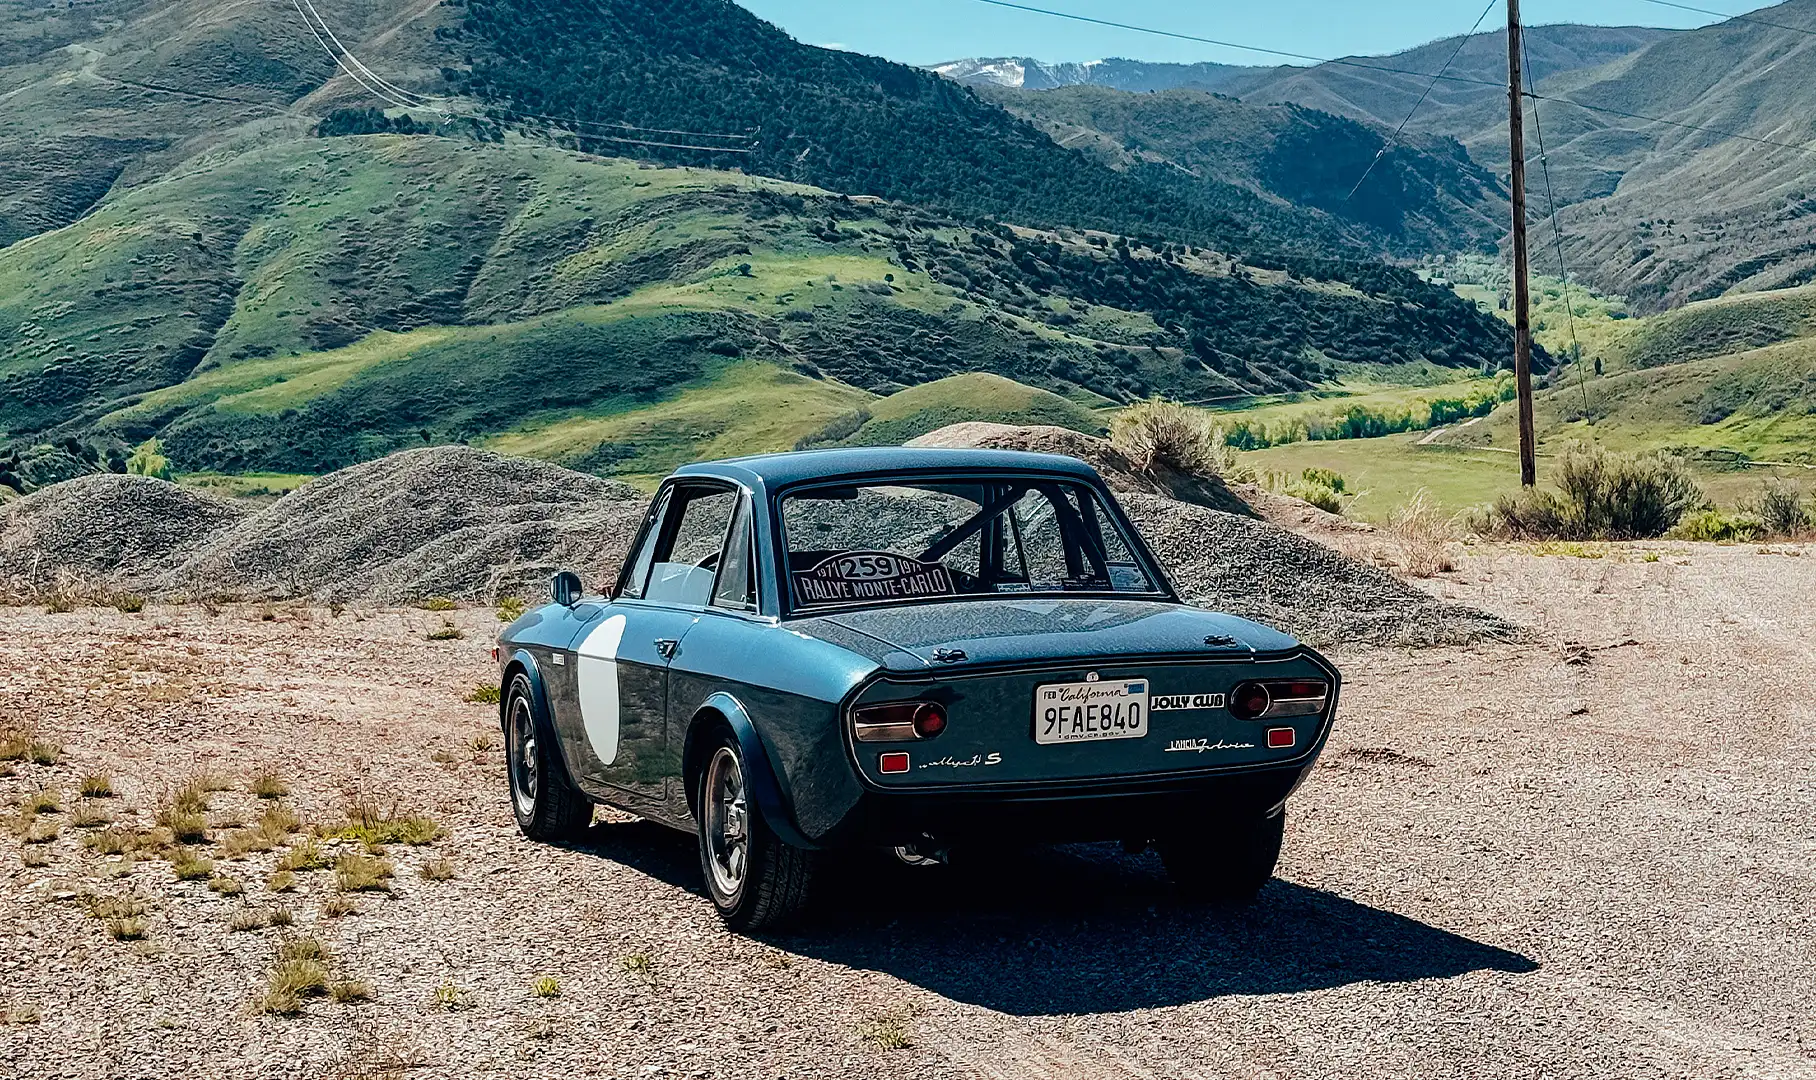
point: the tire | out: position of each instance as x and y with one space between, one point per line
755 880
546 804
1228 866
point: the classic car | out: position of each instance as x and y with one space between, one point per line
906 649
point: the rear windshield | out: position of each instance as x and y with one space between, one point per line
884 543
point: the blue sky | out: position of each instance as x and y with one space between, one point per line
928 31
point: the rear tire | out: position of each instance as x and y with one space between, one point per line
755 880
1228 865
544 801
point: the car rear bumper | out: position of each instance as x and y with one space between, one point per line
1125 810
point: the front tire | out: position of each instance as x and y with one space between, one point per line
755 880
544 801
1229 865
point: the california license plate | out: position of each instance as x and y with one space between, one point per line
1082 712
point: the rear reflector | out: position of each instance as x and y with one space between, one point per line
898 763
1279 738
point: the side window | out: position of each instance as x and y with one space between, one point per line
736 587
686 563
637 570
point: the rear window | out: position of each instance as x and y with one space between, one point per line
887 543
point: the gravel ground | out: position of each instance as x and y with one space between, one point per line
1585 854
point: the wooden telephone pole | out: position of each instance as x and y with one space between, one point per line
1522 299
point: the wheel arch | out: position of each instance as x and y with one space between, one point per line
522 663
722 710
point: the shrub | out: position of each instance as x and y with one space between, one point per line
437 603
483 694
1782 511
129 603
1330 478
447 631
1601 496
1714 526
1320 496
1159 433
511 608
546 987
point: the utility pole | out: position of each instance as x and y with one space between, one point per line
1522 299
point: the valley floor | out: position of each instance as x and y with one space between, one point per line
1585 854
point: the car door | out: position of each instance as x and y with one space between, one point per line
623 660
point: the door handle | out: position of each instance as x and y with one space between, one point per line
665 647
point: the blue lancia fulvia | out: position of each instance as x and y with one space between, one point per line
905 649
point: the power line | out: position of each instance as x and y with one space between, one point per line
1391 139
1445 77
1557 237
397 96
1733 18
1231 44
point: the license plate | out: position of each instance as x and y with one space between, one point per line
1082 712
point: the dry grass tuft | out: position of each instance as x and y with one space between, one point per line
266 784
41 801
226 886
44 753
15 742
242 842
130 929
97 786
278 821
282 881
892 1030
484 693
350 991
281 916
447 631
300 970
375 826
188 866
34 857
1422 535
248 918
186 827
483 743
40 831
336 907
88 815
363 873
546 987
440 868
20 1012
307 855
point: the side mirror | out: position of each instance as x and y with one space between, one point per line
565 589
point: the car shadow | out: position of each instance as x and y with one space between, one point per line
1083 928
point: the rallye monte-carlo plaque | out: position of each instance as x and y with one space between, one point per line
856 577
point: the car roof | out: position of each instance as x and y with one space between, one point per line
780 470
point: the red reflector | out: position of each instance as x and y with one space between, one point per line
1279 738
892 763
494 654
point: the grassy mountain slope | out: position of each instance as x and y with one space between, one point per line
917 410
1425 196
311 303
1716 328
1694 214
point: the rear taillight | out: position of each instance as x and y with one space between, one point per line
898 721
1271 699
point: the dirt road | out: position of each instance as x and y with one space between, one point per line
1592 853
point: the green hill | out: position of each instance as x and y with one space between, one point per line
917 410
1716 328
311 303
1425 196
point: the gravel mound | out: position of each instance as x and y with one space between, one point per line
1263 572
1112 464
443 521
105 528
